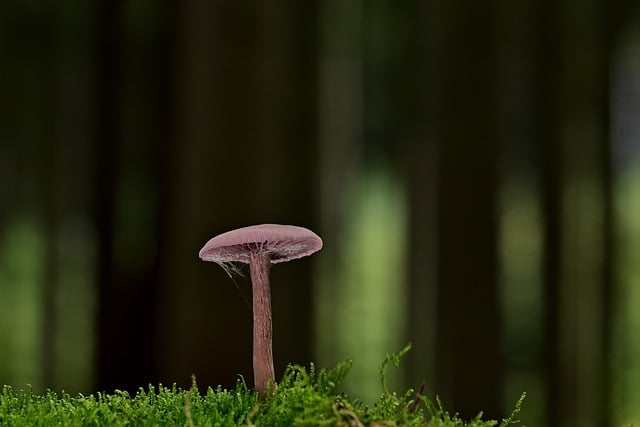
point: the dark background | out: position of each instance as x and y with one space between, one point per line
471 166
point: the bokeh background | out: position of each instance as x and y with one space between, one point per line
473 168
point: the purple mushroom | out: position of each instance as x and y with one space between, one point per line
260 246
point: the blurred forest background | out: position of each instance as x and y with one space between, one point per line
473 168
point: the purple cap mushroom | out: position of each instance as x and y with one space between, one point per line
260 246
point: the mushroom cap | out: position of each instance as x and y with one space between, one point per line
282 242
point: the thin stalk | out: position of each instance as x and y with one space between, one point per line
263 372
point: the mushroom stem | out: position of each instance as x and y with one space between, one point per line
263 372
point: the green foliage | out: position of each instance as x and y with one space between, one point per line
304 397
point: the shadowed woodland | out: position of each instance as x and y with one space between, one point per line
472 167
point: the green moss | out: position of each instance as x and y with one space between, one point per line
304 397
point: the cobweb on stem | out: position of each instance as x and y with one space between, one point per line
234 269
231 268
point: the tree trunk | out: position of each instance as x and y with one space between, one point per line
468 354
574 58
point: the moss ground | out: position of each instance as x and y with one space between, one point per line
304 397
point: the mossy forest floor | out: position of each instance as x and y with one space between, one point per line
304 397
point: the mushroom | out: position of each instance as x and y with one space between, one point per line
260 246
